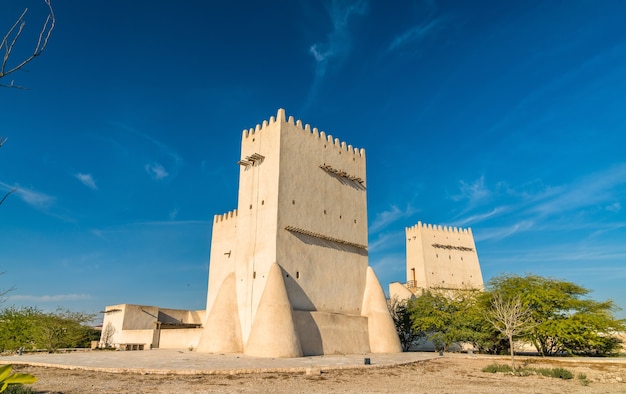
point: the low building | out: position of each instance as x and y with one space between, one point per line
142 327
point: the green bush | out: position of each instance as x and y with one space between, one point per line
18 389
562 373
493 368
9 379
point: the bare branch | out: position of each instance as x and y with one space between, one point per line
12 36
3 293
510 317
7 195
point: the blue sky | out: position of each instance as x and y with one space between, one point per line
506 117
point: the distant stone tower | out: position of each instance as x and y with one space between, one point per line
438 258
289 272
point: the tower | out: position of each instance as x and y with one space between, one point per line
439 258
289 272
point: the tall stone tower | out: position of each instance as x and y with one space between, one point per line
289 272
439 258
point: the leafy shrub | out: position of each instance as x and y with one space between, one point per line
583 379
8 379
560 373
493 368
18 389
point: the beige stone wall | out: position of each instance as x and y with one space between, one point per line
289 188
114 314
145 337
324 272
223 252
257 212
139 317
399 291
331 333
300 244
182 338
139 324
443 257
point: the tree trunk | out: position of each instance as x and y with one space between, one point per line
512 352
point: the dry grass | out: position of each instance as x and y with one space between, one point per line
441 375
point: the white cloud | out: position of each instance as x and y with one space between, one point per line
383 219
390 267
595 189
386 241
49 298
414 34
615 207
87 180
337 45
503 232
475 192
338 42
33 198
156 171
98 233
479 217
173 213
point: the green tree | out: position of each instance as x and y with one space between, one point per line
61 329
565 320
448 316
30 328
401 316
17 328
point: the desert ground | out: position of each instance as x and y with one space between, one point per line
447 374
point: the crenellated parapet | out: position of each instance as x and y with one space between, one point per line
306 130
226 216
439 228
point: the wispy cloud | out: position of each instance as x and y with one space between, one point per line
156 171
385 218
337 45
49 298
414 34
87 180
164 160
477 218
474 192
103 233
173 214
597 189
386 240
389 266
31 197
503 232
614 207
543 208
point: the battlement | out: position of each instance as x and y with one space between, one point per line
225 216
313 132
439 228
